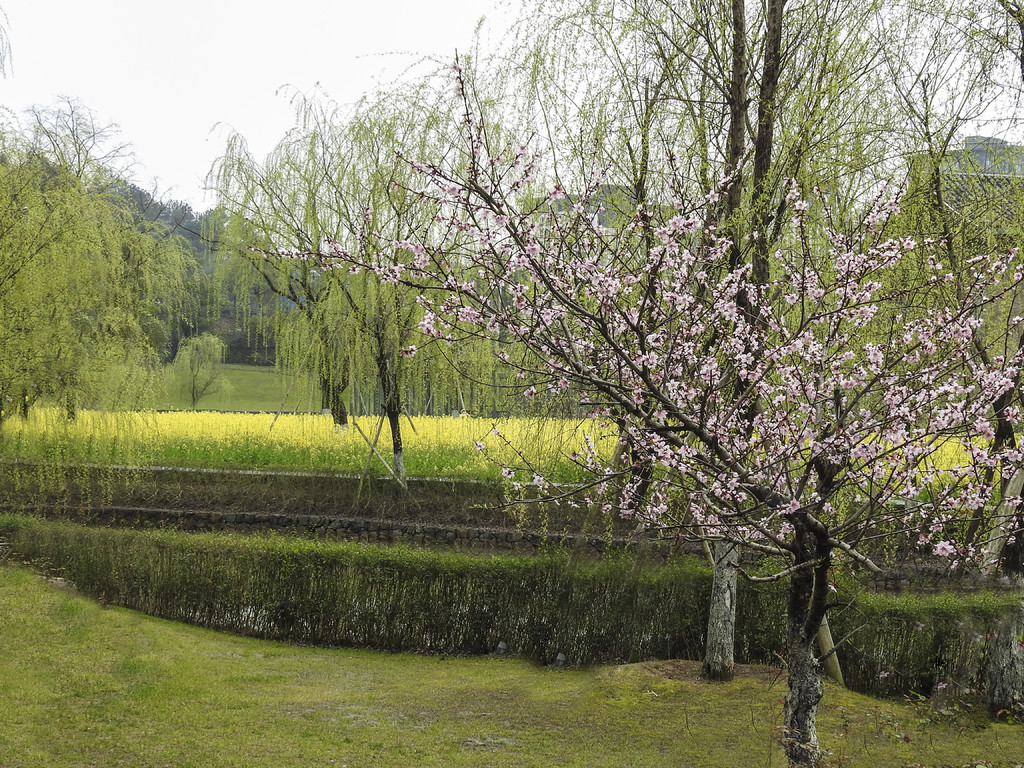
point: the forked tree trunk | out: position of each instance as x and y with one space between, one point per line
718 652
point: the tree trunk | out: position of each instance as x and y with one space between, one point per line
736 141
395 422
805 611
332 398
800 732
1004 664
718 652
333 370
391 398
764 140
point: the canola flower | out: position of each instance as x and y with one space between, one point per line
456 447
435 446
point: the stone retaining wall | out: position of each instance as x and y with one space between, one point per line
924 576
463 538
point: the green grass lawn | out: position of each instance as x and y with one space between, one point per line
82 684
250 388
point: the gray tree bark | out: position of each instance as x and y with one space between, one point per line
800 737
718 652
805 610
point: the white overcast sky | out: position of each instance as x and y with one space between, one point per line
169 73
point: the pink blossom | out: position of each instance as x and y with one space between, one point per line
944 549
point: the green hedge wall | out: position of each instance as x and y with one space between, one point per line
618 609
316 592
910 642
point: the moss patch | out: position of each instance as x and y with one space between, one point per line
84 684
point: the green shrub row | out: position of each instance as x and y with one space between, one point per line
912 643
613 610
340 593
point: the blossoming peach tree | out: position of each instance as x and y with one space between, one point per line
795 417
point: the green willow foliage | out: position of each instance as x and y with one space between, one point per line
614 610
86 296
345 176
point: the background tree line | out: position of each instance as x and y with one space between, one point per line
91 290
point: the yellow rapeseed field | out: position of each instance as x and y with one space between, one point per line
434 446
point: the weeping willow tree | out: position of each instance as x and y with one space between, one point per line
343 177
85 296
289 202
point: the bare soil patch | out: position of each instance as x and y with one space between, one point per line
689 671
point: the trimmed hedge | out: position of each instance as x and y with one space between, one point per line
911 642
397 599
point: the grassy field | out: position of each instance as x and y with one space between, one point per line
88 685
249 388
